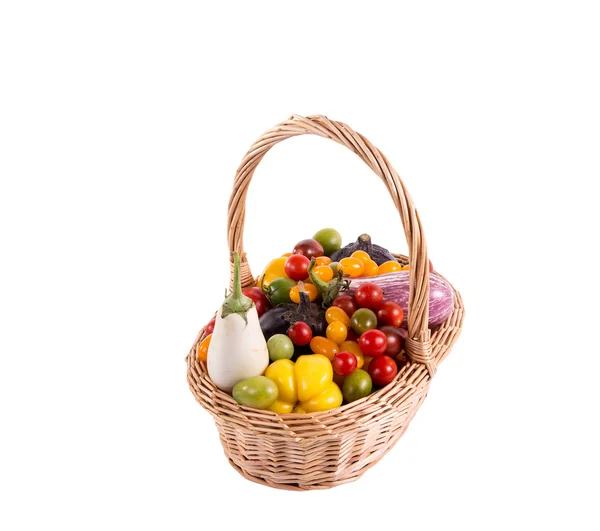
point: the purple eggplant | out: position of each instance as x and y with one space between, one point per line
280 318
395 288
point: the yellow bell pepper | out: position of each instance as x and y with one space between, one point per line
309 381
273 270
331 397
283 374
313 373
281 407
314 379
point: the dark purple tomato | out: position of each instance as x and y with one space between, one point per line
309 248
396 338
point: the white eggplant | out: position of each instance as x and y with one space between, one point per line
238 349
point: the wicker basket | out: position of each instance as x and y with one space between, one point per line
325 449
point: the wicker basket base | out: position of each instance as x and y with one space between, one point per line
352 473
326 449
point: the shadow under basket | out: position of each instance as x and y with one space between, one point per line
329 448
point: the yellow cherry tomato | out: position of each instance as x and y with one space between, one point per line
351 267
287 255
322 345
389 267
371 269
324 272
298 409
310 289
405 267
334 313
352 346
366 363
361 255
337 332
273 270
322 260
202 348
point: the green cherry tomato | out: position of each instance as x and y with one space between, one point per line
362 320
258 392
280 347
357 384
330 239
278 291
334 267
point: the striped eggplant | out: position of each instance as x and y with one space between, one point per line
395 289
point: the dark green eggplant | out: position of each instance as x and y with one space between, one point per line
377 253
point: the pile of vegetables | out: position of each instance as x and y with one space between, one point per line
323 326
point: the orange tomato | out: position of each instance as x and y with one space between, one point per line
322 345
361 255
337 332
405 267
324 272
371 269
322 260
311 291
351 267
389 267
366 363
334 313
202 348
352 346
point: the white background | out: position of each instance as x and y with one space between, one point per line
121 126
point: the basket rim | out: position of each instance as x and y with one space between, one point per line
410 368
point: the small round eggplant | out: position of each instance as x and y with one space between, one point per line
377 253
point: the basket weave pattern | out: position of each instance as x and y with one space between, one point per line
325 449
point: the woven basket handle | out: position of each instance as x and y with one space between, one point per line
417 346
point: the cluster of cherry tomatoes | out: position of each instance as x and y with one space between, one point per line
363 334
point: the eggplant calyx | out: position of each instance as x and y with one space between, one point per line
305 312
365 243
237 302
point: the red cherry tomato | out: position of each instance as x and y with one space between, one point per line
369 295
309 248
373 343
382 370
300 334
210 327
390 313
344 363
396 338
346 303
296 267
260 299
